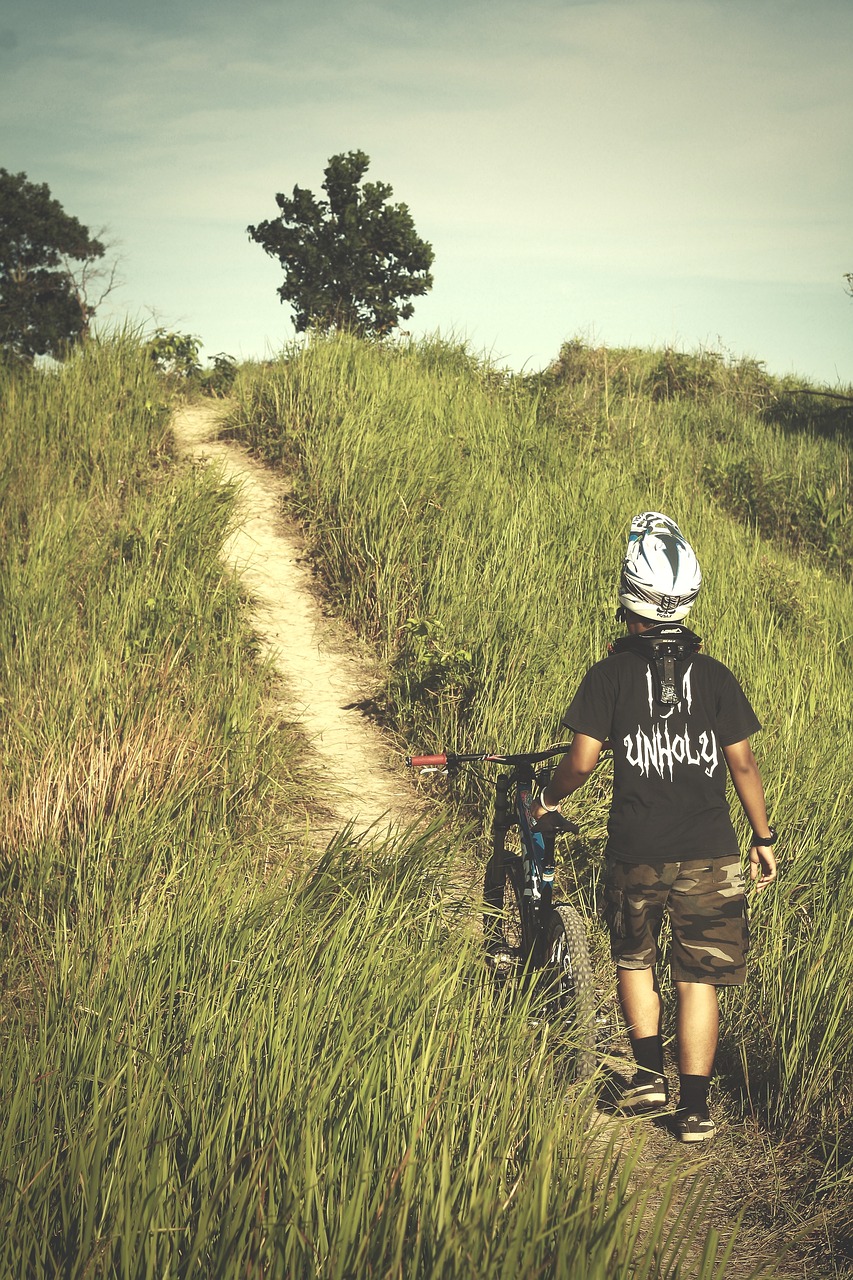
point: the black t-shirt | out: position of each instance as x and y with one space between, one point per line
669 772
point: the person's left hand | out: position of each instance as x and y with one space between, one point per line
762 866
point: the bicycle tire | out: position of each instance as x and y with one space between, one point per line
569 984
507 947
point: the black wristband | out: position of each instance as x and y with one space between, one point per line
771 839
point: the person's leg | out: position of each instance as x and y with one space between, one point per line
639 997
635 900
709 945
697 1027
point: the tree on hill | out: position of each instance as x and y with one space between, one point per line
48 262
350 261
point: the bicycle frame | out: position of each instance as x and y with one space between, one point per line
547 942
538 846
513 797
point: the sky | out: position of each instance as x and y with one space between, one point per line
631 172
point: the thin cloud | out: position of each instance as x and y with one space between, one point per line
636 143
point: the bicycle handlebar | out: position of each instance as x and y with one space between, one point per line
451 759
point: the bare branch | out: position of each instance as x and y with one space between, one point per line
94 279
830 395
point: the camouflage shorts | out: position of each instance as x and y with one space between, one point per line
706 907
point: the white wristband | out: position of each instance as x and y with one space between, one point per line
549 808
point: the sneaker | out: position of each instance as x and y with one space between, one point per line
643 1092
692 1127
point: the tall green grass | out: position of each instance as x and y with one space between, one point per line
771 454
249 1083
128 679
211 1065
472 524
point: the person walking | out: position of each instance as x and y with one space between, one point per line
677 720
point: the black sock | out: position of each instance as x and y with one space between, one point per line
693 1094
648 1054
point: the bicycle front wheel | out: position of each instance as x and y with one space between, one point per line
569 985
503 914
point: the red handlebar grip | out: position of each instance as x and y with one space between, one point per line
418 762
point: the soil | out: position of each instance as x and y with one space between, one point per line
325 673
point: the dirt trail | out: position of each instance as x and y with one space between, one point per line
325 674
362 783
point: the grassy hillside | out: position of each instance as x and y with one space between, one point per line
472 524
211 1066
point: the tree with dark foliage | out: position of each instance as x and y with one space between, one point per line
351 260
43 303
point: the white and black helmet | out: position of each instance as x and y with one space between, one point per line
660 576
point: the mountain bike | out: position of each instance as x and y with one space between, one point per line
527 934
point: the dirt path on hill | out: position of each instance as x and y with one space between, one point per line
360 779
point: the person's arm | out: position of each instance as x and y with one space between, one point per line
750 791
572 772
